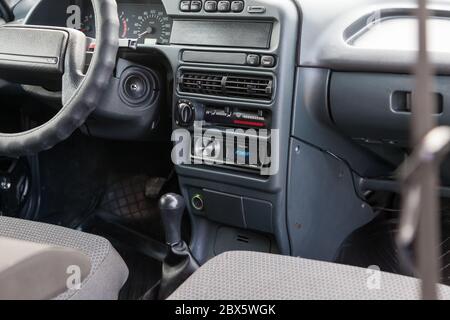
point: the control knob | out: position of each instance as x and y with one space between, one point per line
186 114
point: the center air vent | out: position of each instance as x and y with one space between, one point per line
226 85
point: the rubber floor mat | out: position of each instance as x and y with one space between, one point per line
374 244
144 274
126 198
144 271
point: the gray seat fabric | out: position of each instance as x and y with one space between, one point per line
258 276
36 271
108 271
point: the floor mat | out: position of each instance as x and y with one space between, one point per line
144 271
126 198
144 274
374 244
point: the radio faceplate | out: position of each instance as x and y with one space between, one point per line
233 137
245 149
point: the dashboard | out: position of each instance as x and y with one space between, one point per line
146 22
308 67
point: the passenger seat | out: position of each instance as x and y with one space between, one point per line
259 276
40 261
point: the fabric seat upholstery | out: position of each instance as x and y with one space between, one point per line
108 271
259 276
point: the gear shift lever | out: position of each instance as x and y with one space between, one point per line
172 208
179 263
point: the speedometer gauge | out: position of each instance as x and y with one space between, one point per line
153 26
148 24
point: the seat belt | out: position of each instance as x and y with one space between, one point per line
420 218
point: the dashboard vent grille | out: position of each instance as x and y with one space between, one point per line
227 85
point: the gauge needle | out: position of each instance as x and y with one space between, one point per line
143 34
148 31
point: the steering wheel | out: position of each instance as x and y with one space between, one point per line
41 55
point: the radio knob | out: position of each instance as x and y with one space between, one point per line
185 114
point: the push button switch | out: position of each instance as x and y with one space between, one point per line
253 60
196 6
256 9
224 6
210 6
185 6
237 6
268 61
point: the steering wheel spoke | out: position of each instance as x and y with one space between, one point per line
36 56
74 65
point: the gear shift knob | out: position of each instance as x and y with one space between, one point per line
179 264
172 208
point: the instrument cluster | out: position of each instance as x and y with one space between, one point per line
146 22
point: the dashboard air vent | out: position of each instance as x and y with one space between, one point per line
226 85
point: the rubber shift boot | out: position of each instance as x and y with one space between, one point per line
178 266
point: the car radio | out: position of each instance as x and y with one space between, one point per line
227 136
239 149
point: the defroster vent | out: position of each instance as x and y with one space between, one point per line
226 85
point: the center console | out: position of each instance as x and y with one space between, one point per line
234 67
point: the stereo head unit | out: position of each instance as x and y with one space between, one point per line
228 136
244 150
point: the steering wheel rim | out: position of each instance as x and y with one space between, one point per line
81 92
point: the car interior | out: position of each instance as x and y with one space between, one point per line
98 98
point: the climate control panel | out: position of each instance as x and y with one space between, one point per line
220 116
